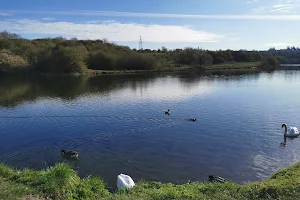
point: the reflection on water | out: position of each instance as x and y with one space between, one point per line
15 89
118 124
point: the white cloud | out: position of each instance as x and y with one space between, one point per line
4 14
99 21
279 44
48 18
279 6
114 31
263 9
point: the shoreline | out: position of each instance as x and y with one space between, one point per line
62 182
182 68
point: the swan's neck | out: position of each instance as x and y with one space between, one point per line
285 129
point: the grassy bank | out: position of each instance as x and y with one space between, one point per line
61 182
227 66
236 65
161 69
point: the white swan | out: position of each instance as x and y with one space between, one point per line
291 131
124 181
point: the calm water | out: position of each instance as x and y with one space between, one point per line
118 125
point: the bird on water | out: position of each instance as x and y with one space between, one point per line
168 112
69 154
216 179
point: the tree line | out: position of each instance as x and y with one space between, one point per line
59 55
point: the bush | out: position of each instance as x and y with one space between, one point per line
10 61
270 63
194 57
136 61
100 60
204 59
64 60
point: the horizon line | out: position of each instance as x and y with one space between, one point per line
10 13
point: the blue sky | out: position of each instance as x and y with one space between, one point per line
213 24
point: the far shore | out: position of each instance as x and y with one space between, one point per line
183 68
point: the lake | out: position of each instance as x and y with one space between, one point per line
118 124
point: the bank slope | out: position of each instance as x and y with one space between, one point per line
61 182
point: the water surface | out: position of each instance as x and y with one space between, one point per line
118 125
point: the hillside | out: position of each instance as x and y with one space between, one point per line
59 55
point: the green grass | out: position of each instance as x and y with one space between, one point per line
174 68
170 68
58 182
11 190
237 65
61 182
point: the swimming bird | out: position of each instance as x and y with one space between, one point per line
192 120
168 112
69 154
291 131
216 179
282 144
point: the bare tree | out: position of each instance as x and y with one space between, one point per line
7 35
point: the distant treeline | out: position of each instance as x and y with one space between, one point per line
290 55
59 55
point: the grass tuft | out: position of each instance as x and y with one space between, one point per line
91 188
58 181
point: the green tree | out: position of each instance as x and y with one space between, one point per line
136 61
65 60
100 60
270 62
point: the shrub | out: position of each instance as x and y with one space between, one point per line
270 63
100 60
65 60
10 61
136 61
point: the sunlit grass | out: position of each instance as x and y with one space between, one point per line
166 68
61 182
237 65
58 182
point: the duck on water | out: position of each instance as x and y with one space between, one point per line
216 179
168 112
69 154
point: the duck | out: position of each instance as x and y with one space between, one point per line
216 179
193 120
168 112
291 131
69 154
